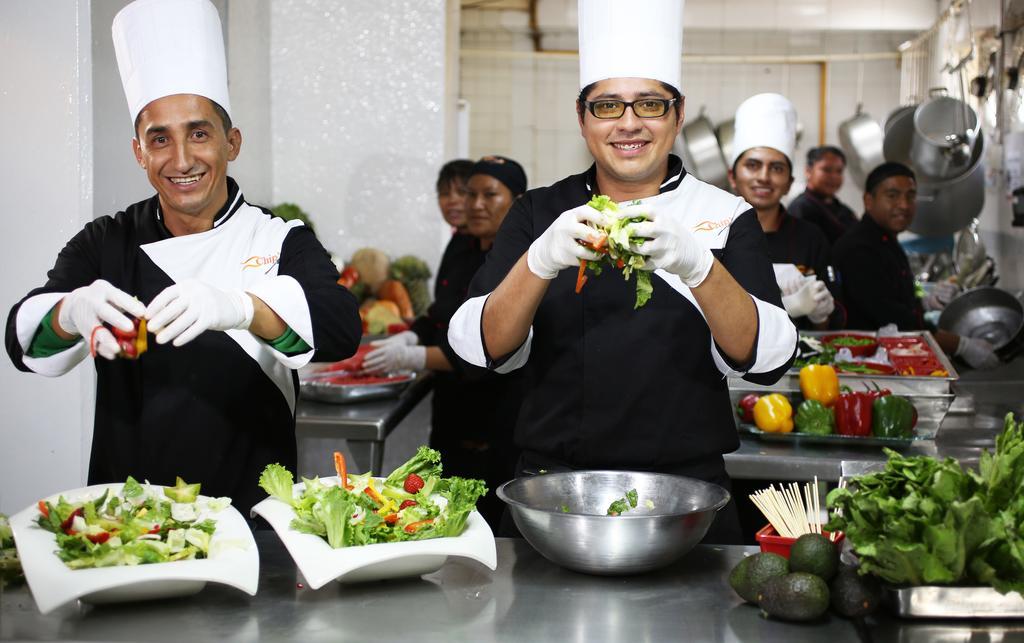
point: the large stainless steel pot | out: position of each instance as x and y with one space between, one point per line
725 132
943 207
701 145
861 138
945 133
990 313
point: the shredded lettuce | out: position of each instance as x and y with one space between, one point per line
619 251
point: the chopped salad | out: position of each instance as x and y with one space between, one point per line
413 503
140 525
10 564
614 244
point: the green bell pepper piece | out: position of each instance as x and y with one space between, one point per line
814 418
892 416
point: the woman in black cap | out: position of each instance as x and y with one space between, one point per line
472 417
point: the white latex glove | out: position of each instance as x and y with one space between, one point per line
183 311
389 358
789 278
404 338
940 295
805 300
824 303
557 248
977 352
84 310
672 248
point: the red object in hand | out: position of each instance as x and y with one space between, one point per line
853 412
349 276
745 408
413 483
407 503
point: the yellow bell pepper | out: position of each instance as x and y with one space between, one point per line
819 382
773 414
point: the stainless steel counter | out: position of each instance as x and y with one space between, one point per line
526 599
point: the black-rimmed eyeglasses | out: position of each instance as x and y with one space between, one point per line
643 108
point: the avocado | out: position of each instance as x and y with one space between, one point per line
855 595
751 572
798 596
814 554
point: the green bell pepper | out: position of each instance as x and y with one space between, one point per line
814 418
892 417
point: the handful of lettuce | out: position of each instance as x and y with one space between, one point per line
922 521
10 564
614 244
413 503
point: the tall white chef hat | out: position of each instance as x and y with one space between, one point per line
631 39
167 47
764 120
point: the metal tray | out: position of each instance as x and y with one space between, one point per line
844 440
934 601
323 391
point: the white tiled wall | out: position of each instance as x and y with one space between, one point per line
522 105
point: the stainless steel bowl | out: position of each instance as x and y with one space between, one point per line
989 313
586 539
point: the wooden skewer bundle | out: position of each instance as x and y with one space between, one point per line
787 510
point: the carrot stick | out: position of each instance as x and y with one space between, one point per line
339 466
581 278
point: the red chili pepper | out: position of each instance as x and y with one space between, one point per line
407 503
853 413
99 538
412 527
581 278
43 509
66 525
413 483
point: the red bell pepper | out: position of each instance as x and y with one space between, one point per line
745 407
853 412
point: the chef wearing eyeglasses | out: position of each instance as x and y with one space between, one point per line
608 385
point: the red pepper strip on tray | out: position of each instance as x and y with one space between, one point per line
412 527
339 466
581 278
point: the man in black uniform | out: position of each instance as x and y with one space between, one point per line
819 204
762 173
238 299
878 285
607 385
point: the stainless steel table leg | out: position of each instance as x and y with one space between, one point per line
377 456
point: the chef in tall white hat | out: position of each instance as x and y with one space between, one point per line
237 299
762 173
629 374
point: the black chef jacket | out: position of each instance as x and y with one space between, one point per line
607 386
832 216
803 244
878 286
207 411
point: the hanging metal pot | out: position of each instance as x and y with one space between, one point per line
945 132
861 138
701 146
992 314
725 132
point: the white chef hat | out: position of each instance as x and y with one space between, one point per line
167 47
764 120
631 39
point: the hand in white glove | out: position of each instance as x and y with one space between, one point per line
940 295
83 311
805 300
672 248
557 248
977 352
789 278
389 358
824 303
404 338
183 311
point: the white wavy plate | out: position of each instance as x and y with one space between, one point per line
53 584
319 563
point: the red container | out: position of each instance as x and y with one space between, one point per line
772 542
862 350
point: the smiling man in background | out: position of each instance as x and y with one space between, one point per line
608 385
762 173
819 204
237 299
